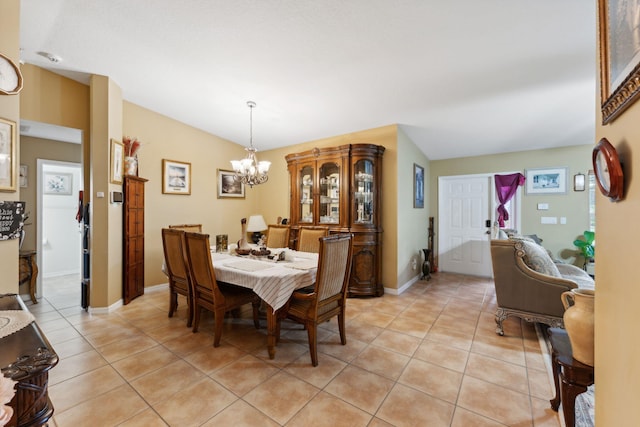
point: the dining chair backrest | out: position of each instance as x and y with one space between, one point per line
195 228
334 268
309 238
174 255
199 261
278 236
175 263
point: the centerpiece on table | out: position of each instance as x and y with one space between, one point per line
131 147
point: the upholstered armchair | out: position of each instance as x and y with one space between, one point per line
529 284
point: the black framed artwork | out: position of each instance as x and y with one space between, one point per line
418 186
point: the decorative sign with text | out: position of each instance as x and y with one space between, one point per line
12 217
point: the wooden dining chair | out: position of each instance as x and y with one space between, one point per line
207 292
278 236
309 238
177 271
194 228
329 295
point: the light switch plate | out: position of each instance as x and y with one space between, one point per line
543 206
548 220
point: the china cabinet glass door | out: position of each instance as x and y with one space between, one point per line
329 193
306 195
363 179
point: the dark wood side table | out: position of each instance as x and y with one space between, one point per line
570 377
29 272
26 357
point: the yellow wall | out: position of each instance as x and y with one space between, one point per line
10 110
574 205
617 328
32 149
49 98
165 138
273 200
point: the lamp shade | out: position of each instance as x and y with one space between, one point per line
256 223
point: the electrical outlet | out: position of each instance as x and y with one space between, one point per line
414 264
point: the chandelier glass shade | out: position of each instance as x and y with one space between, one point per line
249 170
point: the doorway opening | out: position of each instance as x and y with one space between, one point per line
59 234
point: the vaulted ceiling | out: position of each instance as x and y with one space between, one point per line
462 78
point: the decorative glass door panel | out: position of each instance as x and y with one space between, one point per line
306 194
363 180
329 193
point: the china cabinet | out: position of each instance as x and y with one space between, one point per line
133 265
340 187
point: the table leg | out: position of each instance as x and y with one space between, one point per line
555 368
271 331
569 393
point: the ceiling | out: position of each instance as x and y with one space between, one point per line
462 78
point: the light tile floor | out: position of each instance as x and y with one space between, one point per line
429 357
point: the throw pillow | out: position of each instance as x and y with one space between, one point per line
537 258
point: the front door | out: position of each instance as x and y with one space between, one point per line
465 218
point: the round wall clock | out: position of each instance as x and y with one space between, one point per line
608 170
10 76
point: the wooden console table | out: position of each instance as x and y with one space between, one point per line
27 357
29 272
570 377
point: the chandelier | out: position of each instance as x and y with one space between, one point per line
249 170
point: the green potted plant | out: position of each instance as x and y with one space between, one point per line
587 246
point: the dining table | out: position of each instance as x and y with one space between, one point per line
273 280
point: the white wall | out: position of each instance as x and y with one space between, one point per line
61 233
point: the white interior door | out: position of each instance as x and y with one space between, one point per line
463 212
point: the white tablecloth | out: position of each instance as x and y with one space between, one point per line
272 281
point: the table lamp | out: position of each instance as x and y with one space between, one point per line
255 225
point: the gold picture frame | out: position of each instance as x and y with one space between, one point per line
117 162
619 57
8 172
176 177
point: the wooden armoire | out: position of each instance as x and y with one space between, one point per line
133 250
340 187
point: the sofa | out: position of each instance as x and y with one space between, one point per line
529 283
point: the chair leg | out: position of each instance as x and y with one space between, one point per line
189 312
196 318
313 342
173 302
219 323
256 313
343 335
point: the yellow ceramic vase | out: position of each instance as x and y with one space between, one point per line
578 321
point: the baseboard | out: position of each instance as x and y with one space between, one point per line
105 310
157 288
401 289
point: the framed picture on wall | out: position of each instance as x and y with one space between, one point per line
619 56
418 186
58 183
228 187
546 181
7 155
117 161
176 177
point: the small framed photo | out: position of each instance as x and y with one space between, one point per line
546 181
228 186
176 177
418 186
117 161
58 183
578 182
7 155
